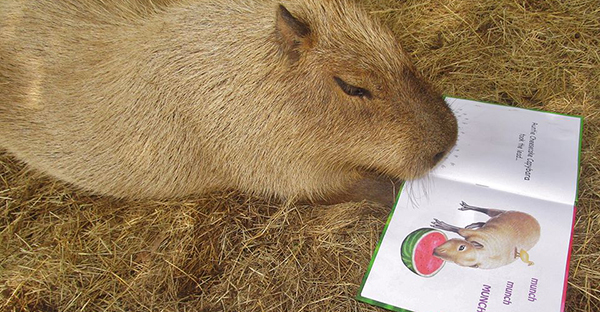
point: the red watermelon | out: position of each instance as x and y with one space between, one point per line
417 251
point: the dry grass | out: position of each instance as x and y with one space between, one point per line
63 250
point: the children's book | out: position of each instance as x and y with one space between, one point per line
490 228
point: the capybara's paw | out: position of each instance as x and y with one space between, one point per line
437 224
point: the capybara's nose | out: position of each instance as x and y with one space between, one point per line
438 157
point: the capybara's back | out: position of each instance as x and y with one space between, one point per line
515 229
135 99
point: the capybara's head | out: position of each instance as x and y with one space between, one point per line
354 84
459 251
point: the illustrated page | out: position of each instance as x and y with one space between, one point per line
455 247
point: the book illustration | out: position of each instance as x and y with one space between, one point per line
417 251
506 236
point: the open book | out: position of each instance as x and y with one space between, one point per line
490 228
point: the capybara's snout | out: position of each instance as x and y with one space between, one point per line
436 130
437 157
439 252
445 128
446 136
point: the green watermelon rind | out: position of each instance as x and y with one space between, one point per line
409 245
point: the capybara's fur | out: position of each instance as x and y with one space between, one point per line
294 100
492 244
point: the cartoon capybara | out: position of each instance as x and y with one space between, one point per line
298 100
491 244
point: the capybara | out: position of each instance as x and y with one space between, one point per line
491 244
293 100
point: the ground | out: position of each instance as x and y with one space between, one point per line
62 249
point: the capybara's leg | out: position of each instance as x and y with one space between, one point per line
441 225
374 188
475 225
488 211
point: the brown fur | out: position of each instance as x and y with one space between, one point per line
130 99
494 244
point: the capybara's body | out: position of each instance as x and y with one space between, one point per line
494 244
296 101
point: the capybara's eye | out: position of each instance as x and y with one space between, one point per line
461 247
352 90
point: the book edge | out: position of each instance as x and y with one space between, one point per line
444 96
359 297
566 282
381 304
579 161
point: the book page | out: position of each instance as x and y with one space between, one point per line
533 282
516 150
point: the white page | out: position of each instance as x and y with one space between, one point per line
489 138
455 288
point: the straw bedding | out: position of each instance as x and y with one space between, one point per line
62 249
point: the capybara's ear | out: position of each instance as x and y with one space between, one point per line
476 244
294 34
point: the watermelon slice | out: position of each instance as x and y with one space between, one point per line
417 251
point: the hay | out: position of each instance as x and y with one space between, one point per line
64 250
